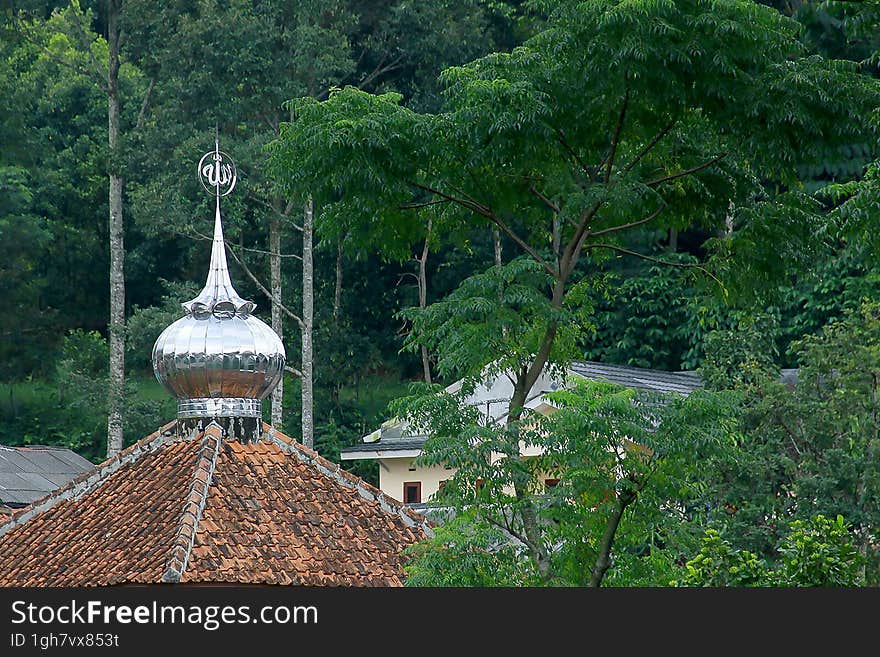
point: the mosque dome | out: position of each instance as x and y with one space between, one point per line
218 360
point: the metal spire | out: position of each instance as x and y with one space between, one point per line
217 173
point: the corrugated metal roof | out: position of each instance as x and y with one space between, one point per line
639 378
30 473
382 445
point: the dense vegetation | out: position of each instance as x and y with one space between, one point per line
675 185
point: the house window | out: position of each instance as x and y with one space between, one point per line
550 483
412 492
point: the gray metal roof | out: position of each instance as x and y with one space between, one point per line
788 377
631 377
28 474
639 378
411 442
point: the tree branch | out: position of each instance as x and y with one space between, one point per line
263 289
416 206
615 140
647 149
507 529
686 172
202 236
570 256
269 253
294 371
380 69
549 203
144 105
284 215
523 245
483 211
683 265
603 560
560 138
632 224
471 205
405 274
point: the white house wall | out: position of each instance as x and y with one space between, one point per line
393 473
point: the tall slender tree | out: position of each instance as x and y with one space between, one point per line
116 391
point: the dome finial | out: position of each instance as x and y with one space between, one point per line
219 360
218 176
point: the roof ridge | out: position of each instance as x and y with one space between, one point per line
632 367
194 504
90 480
334 471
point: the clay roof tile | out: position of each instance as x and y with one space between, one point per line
202 508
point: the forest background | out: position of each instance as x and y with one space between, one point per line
180 72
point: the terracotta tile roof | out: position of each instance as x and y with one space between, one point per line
202 508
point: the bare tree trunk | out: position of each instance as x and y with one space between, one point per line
308 420
277 315
423 299
337 291
116 391
496 240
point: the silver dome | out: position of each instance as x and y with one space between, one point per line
218 360
218 366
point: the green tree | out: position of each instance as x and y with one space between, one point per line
613 118
618 456
806 446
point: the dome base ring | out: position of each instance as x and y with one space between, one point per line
208 407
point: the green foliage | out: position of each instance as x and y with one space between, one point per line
466 552
52 174
71 410
145 324
742 355
820 552
83 353
718 564
651 318
495 321
815 552
604 444
815 439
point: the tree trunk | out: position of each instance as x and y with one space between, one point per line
496 241
277 314
525 379
603 560
116 390
308 420
423 299
337 290
557 240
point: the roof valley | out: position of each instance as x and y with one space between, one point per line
193 505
